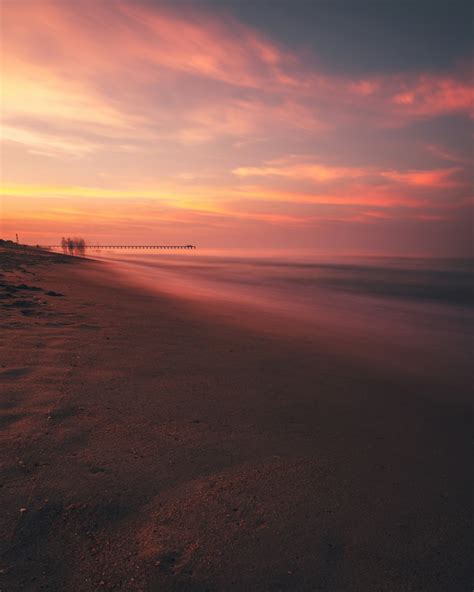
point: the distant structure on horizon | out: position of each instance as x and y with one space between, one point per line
77 246
141 246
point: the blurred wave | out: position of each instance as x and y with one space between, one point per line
448 281
372 303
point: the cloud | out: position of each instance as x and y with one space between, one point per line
441 178
189 76
323 174
314 172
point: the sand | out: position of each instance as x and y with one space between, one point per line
150 446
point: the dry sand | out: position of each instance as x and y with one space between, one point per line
149 447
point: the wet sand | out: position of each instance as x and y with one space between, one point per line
148 445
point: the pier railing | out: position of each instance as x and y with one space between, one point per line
151 247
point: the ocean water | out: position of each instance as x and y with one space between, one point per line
381 306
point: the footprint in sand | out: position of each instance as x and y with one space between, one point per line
13 373
7 419
22 304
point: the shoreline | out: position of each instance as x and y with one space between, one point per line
154 448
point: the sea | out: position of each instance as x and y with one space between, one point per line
411 311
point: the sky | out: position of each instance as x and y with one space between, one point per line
334 126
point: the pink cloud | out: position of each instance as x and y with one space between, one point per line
430 95
83 49
322 173
428 178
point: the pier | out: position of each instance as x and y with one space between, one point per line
142 247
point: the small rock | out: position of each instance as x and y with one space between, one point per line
73 507
25 287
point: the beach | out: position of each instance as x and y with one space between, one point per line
150 443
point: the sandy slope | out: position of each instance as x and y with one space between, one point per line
152 448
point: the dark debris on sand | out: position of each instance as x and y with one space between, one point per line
18 297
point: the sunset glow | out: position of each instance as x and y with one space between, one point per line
145 120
